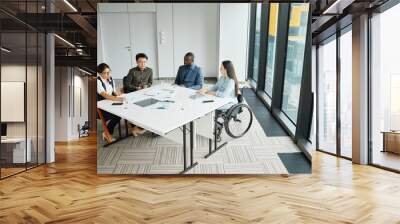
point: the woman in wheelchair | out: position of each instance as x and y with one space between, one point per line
236 116
227 85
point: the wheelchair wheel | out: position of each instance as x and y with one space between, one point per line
238 120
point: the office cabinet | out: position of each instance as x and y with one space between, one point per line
391 142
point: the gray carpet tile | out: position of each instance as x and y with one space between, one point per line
136 157
254 153
168 155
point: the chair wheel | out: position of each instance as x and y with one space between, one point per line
238 120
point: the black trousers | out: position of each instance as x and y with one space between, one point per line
112 119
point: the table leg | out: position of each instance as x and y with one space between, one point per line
184 147
209 146
191 144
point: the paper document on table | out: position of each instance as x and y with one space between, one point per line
147 102
197 96
161 105
161 93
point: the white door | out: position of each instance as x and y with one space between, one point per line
115 43
143 29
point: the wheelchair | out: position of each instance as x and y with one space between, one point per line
236 120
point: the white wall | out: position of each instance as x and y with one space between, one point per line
196 30
67 114
185 27
233 36
61 103
165 40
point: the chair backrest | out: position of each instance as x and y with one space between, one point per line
86 125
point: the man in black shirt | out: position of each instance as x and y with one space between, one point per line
139 77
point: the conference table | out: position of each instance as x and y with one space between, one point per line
170 111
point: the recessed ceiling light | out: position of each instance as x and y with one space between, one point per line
5 50
64 40
70 5
86 72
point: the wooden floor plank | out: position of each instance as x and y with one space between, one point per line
70 191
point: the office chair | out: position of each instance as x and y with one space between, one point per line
237 120
84 130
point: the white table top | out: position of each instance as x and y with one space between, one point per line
161 121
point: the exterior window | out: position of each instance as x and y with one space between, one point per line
272 34
294 59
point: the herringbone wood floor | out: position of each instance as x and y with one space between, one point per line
70 191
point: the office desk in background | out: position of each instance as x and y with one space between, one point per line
391 141
13 150
173 113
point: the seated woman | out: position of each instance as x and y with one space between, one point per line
106 90
227 85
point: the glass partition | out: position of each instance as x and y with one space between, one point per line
31 98
13 92
346 94
327 96
23 88
385 90
41 87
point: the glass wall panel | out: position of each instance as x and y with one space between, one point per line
41 97
346 94
22 91
327 96
14 152
294 59
257 42
385 89
31 98
272 34
32 88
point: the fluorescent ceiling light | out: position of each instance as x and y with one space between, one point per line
65 41
333 6
84 71
5 50
337 7
70 5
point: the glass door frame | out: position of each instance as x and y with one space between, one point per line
339 33
300 133
381 9
44 41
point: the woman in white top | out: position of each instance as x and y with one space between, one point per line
227 85
106 90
